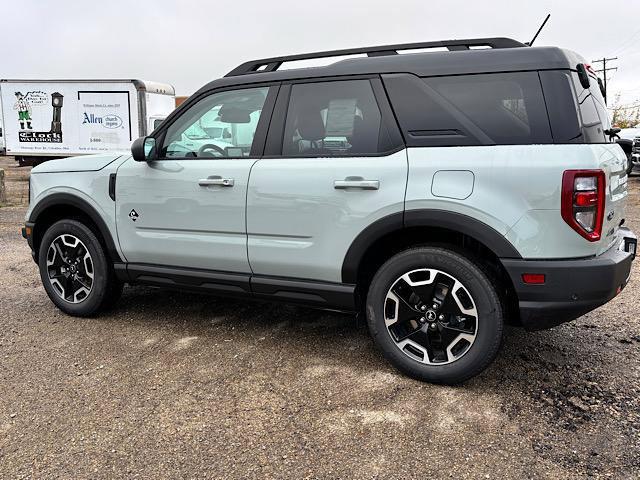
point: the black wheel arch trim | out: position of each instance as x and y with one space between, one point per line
61 199
456 222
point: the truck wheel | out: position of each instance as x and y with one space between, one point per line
435 315
74 269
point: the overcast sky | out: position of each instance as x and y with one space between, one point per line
190 42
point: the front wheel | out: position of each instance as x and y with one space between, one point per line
74 269
435 314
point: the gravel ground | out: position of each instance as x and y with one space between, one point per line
175 385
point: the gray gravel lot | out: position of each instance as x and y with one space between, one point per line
173 385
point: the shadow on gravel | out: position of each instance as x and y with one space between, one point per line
568 376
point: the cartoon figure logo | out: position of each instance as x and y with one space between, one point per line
24 104
24 110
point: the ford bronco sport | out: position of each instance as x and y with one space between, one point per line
443 193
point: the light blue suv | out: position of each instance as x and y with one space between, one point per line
441 193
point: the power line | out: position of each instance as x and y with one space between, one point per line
604 71
626 44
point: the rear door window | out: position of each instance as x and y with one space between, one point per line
334 118
485 109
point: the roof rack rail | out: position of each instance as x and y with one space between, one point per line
272 64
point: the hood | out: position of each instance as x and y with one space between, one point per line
82 163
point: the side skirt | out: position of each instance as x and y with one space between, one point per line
325 295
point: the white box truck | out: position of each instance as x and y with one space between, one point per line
45 119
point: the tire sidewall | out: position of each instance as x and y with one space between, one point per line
478 284
94 300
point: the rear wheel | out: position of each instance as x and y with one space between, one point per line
74 269
435 314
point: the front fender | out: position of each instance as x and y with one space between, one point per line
61 197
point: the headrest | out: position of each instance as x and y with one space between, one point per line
310 125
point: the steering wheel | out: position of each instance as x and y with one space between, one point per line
210 146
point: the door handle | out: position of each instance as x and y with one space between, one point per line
215 180
356 182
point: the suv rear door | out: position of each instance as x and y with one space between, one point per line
334 163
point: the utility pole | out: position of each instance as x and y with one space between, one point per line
604 71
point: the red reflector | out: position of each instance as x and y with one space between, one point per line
586 199
533 278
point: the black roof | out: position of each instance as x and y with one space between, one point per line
509 56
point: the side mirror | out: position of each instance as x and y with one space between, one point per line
613 133
143 149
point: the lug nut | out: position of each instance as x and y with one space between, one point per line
435 305
432 326
422 319
423 308
441 317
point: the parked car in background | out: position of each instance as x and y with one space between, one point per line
630 143
441 194
46 119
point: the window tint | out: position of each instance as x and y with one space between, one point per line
505 108
220 125
594 115
562 106
334 118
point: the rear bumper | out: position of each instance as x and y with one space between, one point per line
572 287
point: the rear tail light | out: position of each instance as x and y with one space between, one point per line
583 200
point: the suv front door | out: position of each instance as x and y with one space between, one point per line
187 208
334 164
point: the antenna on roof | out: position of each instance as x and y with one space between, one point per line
539 30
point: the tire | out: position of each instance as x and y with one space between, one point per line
85 296
470 315
629 165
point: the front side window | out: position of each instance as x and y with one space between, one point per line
334 119
221 125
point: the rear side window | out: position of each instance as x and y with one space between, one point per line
593 112
335 118
486 109
562 106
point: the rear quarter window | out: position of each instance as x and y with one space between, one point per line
483 109
593 111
